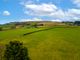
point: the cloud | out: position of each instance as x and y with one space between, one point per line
33 19
56 20
40 9
58 14
6 13
44 9
52 11
69 15
77 2
74 14
24 2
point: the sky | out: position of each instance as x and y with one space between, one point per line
39 10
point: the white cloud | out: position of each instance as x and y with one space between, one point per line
40 9
58 14
34 19
69 15
44 10
6 13
56 20
74 11
51 10
75 14
77 2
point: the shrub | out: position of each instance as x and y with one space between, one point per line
1 28
16 51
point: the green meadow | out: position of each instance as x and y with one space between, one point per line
57 43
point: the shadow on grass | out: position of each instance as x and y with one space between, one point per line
49 29
37 31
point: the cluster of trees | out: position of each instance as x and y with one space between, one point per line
14 25
77 23
16 51
72 23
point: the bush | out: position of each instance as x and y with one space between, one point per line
15 51
1 52
1 28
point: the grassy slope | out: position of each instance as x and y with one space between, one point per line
54 44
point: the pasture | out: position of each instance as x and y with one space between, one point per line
57 43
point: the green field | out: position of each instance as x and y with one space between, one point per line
58 43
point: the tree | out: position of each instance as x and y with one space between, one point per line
34 24
1 28
77 23
16 51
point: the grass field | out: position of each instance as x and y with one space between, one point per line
58 43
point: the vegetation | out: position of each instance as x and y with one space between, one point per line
57 43
1 28
15 51
1 51
77 23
